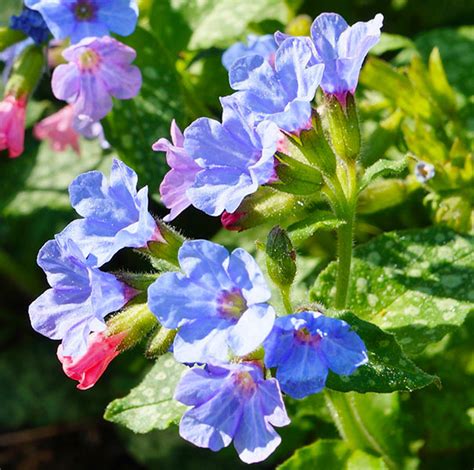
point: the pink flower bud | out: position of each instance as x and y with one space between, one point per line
88 368
12 125
58 129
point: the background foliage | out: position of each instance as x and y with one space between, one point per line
44 421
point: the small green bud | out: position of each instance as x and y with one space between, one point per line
280 258
344 126
167 245
295 177
26 72
382 194
160 342
136 320
139 281
299 26
316 148
9 37
268 206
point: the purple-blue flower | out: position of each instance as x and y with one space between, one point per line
98 69
181 176
424 172
219 303
79 19
79 299
32 24
115 215
342 49
281 93
232 402
305 346
264 46
236 157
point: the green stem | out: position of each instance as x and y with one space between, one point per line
285 295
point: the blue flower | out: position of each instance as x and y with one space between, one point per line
80 298
218 303
115 215
264 46
232 403
32 24
342 49
79 19
236 157
283 93
424 172
304 346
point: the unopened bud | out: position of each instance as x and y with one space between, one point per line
160 342
344 126
167 246
136 321
280 258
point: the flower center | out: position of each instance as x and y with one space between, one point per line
231 304
84 10
89 60
304 336
244 381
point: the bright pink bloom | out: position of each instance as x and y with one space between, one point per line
12 125
58 129
88 368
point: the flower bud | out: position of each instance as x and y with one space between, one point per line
135 321
26 72
280 258
8 37
316 148
88 368
268 206
344 126
160 342
167 245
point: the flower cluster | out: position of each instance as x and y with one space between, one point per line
214 165
214 308
98 67
115 216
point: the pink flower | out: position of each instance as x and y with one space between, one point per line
88 368
12 125
181 176
58 129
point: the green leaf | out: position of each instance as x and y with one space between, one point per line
319 220
331 454
388 369
150 405
40 178
324 454
134 125
381 168
416 284
201 24
391 42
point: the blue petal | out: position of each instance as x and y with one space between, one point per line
273 406
198 386
203 341
325 32
205 262
120 16
251 329
261 45
303 373
175 300
220 189
255 439
343 350
214 423
246 273
58 17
